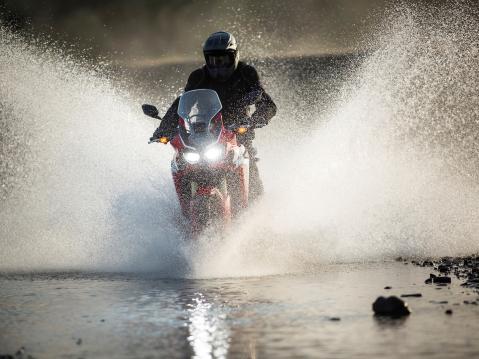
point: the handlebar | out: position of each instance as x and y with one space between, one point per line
240 129
245 127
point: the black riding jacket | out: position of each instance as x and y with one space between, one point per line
237 94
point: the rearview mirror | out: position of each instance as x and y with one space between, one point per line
151 111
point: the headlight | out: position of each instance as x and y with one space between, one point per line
213 154
191 157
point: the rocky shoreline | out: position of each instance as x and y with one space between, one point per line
464 268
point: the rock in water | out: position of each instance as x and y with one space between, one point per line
390 306
437 280
417 295
442 280
443 268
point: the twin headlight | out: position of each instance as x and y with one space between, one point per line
211 154
191 157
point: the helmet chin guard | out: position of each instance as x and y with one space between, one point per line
221 55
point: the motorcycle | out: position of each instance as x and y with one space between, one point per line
210 168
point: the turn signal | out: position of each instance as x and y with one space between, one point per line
164 140
241 130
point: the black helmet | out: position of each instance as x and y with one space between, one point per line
221 55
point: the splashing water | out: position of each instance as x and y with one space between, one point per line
88 179
390 170
393 168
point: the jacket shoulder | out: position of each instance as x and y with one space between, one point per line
248 73
195 79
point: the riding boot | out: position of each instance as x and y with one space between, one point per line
255 184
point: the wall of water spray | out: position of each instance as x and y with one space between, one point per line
388 168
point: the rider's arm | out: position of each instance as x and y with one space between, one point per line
265 107
265 110
169 122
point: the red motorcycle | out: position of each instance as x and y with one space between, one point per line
210 168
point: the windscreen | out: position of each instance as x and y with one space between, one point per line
197 108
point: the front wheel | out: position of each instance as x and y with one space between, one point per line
210 209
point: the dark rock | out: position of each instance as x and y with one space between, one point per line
443 268
447 260
417 295
449 312
442 280
79 341
437 280
335 319
387 287
6 356
102 320
390 306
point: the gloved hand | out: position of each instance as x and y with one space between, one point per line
245 122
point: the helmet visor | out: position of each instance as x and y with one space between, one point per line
223 60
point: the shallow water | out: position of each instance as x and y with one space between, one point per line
286 316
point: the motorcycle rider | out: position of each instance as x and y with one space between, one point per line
238 87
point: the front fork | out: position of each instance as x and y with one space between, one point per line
233 189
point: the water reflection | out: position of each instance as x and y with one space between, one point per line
389 322
209 333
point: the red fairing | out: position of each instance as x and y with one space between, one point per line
176 141
184 173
